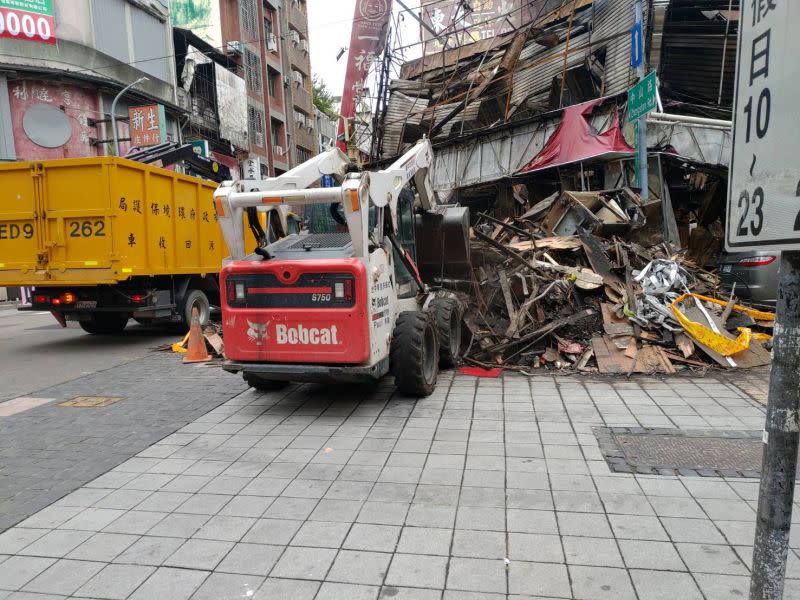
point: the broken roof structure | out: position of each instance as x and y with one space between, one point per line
490 107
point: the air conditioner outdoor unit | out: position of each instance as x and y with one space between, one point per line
304 46
235 47
286 80
299 118
277 150
272 42
297 77
295 37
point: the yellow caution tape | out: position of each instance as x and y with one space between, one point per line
180 346
716 341
761 337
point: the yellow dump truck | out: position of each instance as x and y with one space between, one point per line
107 239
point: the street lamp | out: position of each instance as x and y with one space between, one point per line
114 112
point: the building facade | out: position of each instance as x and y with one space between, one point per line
57 85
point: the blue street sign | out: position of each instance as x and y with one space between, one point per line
328 181
636 45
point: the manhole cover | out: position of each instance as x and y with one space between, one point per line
90 401
670 452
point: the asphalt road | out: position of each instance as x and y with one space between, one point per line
36 352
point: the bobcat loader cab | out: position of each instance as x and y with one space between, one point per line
337 307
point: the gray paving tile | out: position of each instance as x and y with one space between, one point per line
425 540
175 584
16 571
64 577
103 547
660 585
417 570
287 589
377 538
637 527
478 575
600 552
150 550
250 559
601 583
538 579
531 521
640 554
338 591
199 554
15 539
115 582
50 517
222 527
246 506
226 586
707 558
321 534
57 543
486 518
336 510
535 548
178 525
701 531
135 522
408 593
479 544
723 587
304 563
272 531
353 566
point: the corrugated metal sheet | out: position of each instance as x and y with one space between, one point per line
615 18
402 110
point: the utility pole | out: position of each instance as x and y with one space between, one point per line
641 124
781 437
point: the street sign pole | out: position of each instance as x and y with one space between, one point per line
641 128
781 437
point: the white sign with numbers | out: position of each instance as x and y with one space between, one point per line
764 185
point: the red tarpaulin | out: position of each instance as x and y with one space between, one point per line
575 140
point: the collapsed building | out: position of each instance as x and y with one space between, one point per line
531 131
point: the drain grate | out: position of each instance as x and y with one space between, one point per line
90 401
677 452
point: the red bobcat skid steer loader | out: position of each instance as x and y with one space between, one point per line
338 307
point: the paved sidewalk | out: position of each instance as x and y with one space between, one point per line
488 489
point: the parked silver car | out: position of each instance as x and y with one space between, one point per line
754 273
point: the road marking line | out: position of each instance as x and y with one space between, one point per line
21 404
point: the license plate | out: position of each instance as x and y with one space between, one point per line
86 304
727 268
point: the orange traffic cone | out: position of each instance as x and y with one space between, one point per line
197 342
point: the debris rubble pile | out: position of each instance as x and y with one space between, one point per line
584 281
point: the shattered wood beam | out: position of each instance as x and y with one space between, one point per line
498 222
534 337
508 252
506 287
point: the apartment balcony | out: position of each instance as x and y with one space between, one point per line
305 137
297 15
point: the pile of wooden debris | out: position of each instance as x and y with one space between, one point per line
576 283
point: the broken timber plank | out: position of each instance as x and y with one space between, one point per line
506 287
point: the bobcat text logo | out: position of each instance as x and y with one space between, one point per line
285 335
257 332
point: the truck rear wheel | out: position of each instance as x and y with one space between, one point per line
414 354
105 323
263 385
447 315
195 299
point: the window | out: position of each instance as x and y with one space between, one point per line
275 130
302 155
255 126
249 17
252 70
273 81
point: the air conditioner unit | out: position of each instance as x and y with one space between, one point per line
235 47
272 42
297 77
294 35
286 80
299 118
304 46
259 141
310 125
277 150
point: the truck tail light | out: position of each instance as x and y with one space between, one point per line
56 301
348 289
41 299
236 291
138 298
757 261
239 292
67 298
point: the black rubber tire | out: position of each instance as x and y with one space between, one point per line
414 354
447 315
199 299
105 323
263 385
